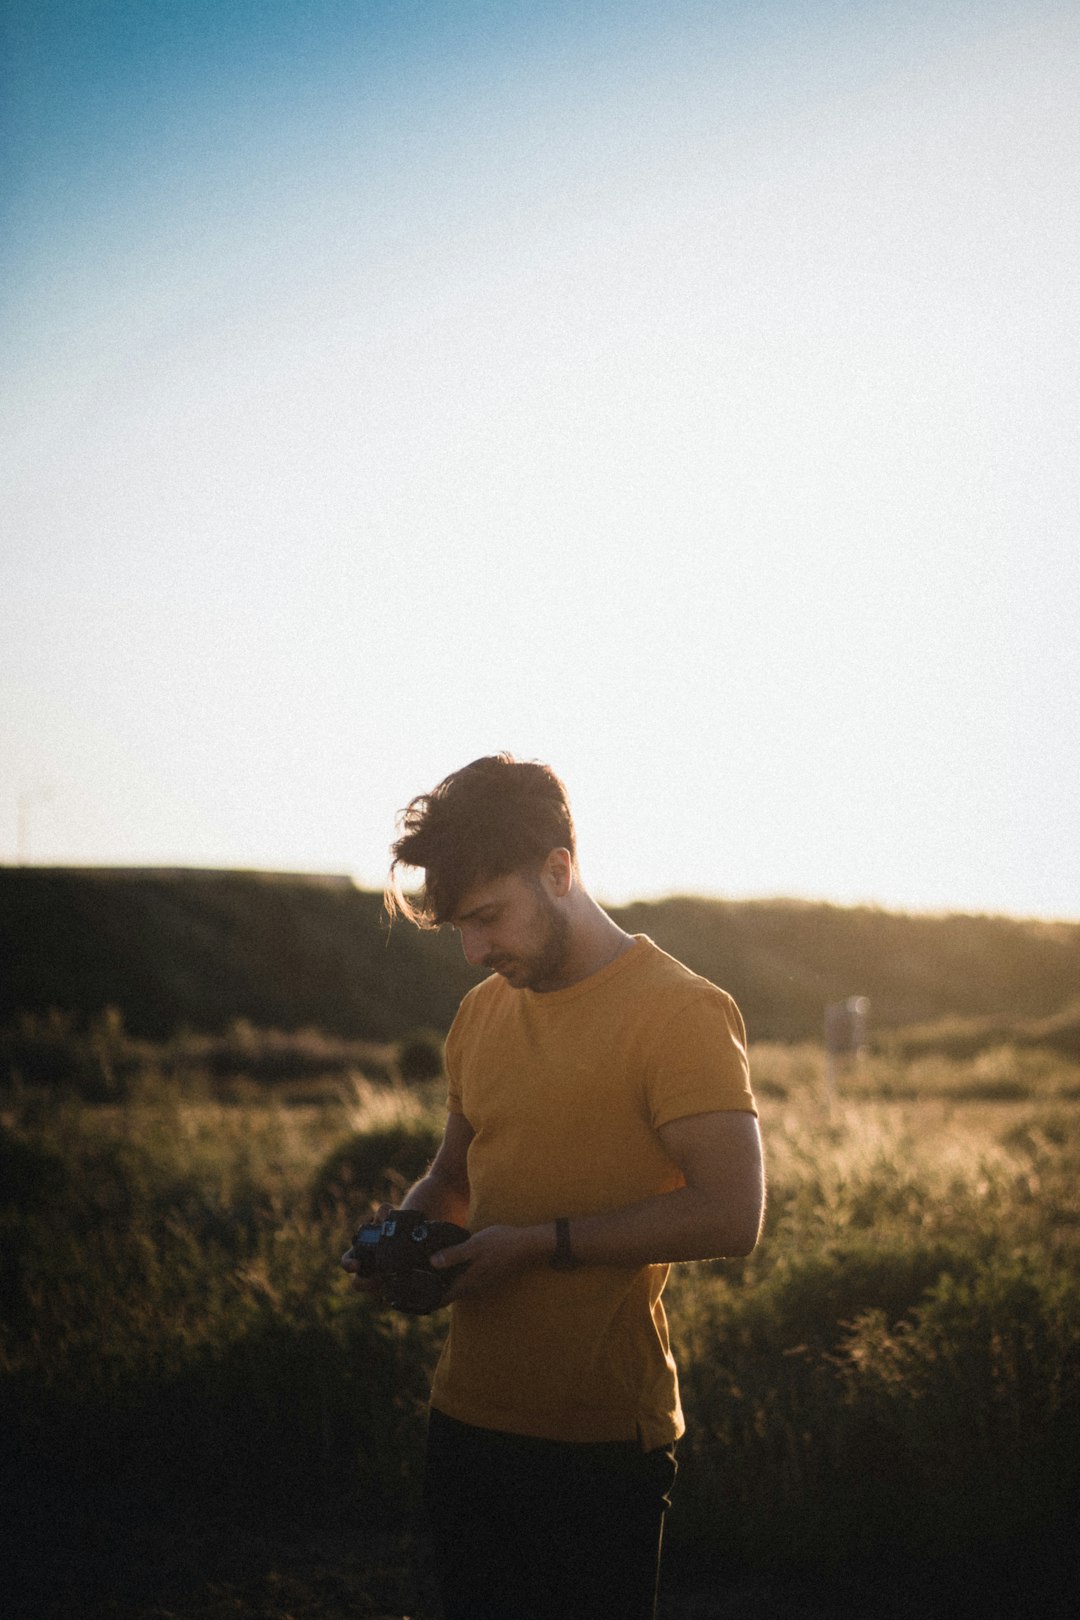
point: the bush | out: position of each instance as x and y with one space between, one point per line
830 1434
32 1175
420 1057
375 1166
978 1391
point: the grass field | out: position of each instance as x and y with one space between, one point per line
203 1421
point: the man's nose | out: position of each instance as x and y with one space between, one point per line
474 946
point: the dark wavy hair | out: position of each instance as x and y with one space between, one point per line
495 816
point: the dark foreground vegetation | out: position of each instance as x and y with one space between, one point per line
202 1422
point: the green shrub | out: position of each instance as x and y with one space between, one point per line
32 1174
420 1057
830 1433
375 1165
978 1390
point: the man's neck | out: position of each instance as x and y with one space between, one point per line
595 941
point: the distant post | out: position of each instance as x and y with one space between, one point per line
846 1025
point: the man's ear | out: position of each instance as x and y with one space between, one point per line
558 873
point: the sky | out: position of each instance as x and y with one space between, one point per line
683 394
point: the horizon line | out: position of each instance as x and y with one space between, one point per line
348 880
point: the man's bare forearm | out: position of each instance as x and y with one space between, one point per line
682 1225
689 1224
716 1214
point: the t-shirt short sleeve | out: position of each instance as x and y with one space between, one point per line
698 1064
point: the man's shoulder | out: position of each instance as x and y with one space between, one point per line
480 999
490 989
669 977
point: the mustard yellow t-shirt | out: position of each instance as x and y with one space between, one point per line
564 1091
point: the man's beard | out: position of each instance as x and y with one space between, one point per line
544 967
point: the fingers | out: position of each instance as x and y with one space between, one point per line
366 1285
362 1285
456 1254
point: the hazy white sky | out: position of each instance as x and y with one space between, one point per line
684 394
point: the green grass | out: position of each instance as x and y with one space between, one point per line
883 1399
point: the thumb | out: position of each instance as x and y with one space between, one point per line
456 1255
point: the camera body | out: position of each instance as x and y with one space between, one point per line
398 1252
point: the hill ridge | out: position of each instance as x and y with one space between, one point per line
198 947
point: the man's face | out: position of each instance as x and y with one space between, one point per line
513 927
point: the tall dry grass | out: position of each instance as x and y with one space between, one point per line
891 1381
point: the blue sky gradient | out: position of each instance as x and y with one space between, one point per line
686 394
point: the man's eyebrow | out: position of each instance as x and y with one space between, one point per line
465 916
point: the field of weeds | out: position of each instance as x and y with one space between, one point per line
203 1421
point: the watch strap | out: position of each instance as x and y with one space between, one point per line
563 1257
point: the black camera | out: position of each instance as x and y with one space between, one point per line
398 1251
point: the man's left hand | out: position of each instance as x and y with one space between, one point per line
493 1257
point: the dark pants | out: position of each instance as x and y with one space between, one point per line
529 1529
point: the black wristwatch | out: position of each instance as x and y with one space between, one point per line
563 1258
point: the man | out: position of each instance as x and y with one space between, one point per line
600 1126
